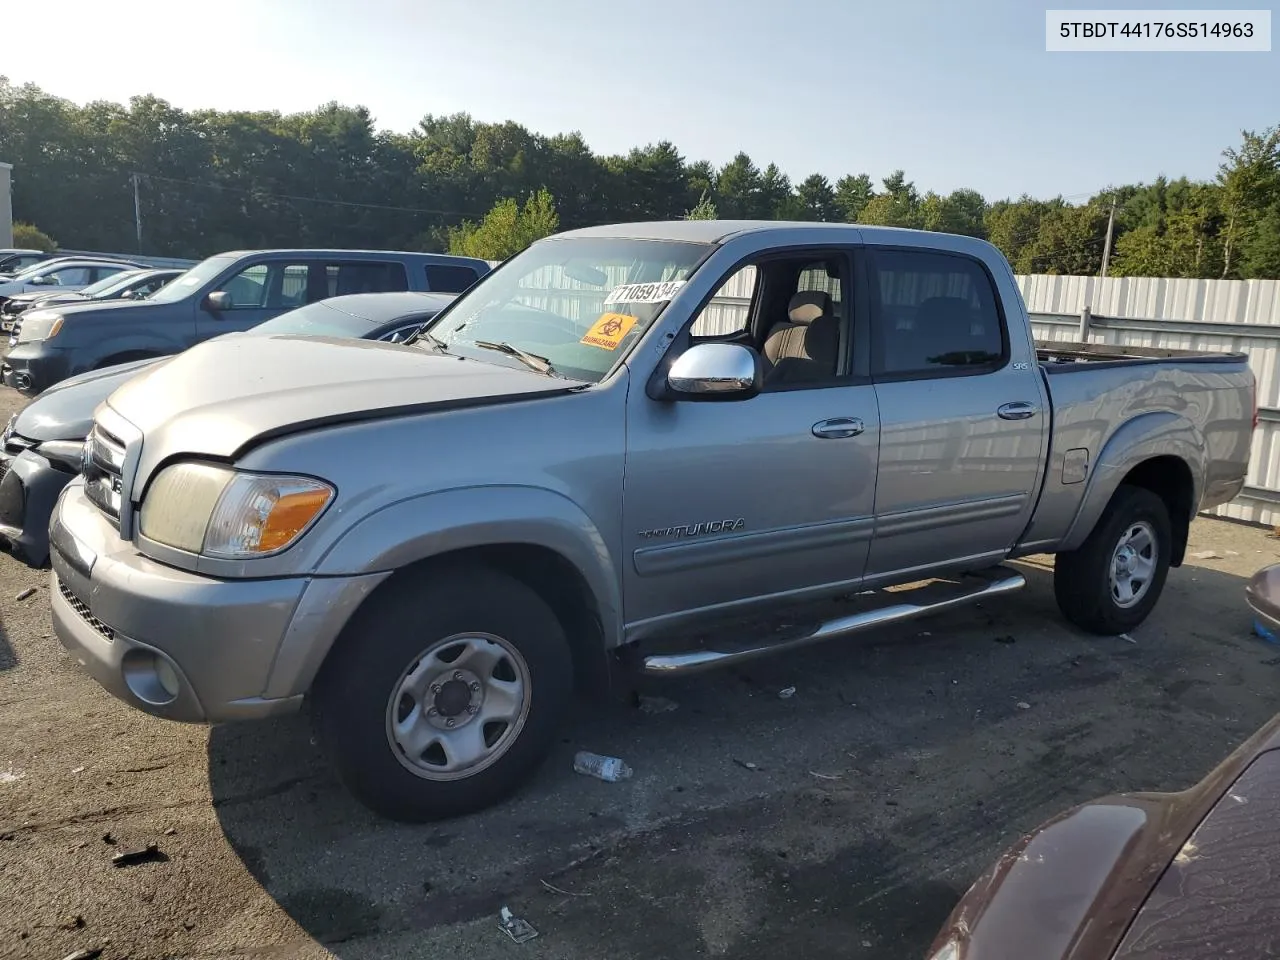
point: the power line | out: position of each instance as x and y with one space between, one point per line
284 196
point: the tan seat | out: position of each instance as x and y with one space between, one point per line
806 346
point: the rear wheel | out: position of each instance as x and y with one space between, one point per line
1112 581
445 694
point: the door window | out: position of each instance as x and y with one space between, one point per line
365 277
269 286
72 276
935 314
446 278
729 310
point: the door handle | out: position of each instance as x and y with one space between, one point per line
838 428
1018 410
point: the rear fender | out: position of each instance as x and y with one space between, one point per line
1145 437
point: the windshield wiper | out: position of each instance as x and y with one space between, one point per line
422 333
531 360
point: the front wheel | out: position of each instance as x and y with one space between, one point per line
443 695
1112 581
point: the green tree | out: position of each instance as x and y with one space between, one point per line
961 211
27 236
816 199
898 206
1250 179
1069 241
703 210
506 229
739 190
852 194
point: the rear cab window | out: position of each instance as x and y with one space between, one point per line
365 276
933 314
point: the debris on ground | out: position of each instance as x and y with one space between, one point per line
170 831
1266 633
517 929
91 954
73 923
1022 705
566 893
11 775
29 592
657 704
786 693
1007 638
108 839
1206 555
131 858
746 764
608 769
1127 639
77 769
824 776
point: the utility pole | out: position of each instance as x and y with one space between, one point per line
137 217
1106 247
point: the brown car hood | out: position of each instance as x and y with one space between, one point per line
1072 889
1218 898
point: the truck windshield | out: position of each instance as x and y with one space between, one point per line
186 284
578 303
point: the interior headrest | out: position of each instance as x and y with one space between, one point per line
808 305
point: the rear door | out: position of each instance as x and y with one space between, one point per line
962 425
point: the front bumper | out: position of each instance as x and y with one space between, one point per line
182 646
29 488
31 367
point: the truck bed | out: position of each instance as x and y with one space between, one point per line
1061 356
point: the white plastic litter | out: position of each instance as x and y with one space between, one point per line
608 769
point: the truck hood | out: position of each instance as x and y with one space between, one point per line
65 410
226 394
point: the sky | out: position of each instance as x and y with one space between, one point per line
958 93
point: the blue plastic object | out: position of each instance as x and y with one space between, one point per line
1265 633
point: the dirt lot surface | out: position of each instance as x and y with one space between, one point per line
899 768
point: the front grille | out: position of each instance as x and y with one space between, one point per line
82 608
102 472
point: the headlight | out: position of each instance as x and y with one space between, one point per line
39 325
219 512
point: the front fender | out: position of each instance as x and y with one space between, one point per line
1145 437
426 526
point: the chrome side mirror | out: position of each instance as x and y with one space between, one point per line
716 371
218 301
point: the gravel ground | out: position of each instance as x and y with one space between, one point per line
844 820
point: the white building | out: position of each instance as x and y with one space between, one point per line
6 206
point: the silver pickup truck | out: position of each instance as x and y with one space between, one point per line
617 440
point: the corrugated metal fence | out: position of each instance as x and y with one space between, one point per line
1214 315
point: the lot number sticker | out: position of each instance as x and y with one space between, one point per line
644 292
608 331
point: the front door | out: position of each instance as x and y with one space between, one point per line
259 292
962 429
768 497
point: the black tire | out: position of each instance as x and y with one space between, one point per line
1081 577
385 637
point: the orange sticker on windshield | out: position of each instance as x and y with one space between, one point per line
608 331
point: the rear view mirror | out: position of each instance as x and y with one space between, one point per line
45 281
218 301
716 371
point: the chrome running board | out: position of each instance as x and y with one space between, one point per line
992 583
